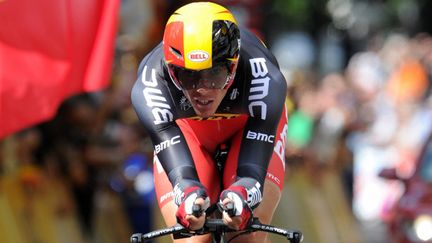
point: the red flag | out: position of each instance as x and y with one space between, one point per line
50 50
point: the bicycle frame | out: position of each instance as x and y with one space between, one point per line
217 228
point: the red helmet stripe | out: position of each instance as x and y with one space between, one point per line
174 36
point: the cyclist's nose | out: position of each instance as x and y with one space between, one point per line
202 90
203 84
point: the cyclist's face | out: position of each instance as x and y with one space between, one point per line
205 101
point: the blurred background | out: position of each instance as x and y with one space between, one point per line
359 86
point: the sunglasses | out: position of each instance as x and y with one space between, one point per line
212 78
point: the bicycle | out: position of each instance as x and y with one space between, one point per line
217 228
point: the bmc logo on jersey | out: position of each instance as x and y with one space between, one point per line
167 143
198 56
260 136
161 110
259 88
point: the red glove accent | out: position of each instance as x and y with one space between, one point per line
238 195
187 198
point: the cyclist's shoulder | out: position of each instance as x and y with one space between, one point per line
151 86
247 36
152 74
254 47
152 60
258 70
257 61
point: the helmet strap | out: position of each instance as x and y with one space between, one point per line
232 74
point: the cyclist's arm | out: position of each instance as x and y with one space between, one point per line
266 100
155 109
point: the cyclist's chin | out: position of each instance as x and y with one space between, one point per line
205 112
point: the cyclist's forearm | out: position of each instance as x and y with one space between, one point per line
174 155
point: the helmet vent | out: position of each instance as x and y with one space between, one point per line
226 36
176 52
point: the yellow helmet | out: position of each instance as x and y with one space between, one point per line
201 43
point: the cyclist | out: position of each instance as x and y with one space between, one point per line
210 83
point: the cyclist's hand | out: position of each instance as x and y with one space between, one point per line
187 193
242 212
196 222
237 222
245 194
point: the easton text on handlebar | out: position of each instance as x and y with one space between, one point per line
218 227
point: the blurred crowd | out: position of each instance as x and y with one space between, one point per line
375 113
353 112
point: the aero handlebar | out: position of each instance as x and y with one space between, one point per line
217 226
